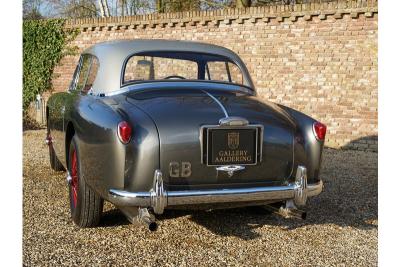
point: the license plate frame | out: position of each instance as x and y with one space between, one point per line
206 145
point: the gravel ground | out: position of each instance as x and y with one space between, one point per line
341 228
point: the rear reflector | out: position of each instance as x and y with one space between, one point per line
319 130
124 132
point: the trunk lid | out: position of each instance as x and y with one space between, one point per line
179 116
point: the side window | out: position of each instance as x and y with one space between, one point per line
72 86
84 71
94 67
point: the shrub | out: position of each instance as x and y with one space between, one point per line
45 42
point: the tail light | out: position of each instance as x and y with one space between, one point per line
124 132
319 130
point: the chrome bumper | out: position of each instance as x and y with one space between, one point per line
158 198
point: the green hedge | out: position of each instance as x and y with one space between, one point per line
44 44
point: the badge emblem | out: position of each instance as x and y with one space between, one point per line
233 140
183 169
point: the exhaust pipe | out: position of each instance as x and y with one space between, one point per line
139 216
287 211
148 219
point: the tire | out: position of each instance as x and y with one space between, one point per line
55 163
85 204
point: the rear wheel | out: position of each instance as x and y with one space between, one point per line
86 205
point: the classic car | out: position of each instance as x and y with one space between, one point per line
150 125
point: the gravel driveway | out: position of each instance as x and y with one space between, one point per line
341 228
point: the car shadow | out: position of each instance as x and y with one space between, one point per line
349 199
239 222
112 218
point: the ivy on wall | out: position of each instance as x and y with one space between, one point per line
45 42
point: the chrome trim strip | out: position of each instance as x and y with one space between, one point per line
166 84
125 198
230 195
218 102
315 189
159 199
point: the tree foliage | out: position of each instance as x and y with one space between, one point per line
34 9
44 44
74 8
177 6
97 8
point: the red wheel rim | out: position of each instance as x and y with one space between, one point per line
75 178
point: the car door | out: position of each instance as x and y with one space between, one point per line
56 113
71 99
63 104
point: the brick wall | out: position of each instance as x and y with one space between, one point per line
318 58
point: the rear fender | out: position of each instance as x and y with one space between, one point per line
102 155
143 151
105 161
307 149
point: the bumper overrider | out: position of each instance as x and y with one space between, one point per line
158 198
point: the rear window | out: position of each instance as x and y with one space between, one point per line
141 68
156 66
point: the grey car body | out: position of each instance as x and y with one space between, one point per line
169 120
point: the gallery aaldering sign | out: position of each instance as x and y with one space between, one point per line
232 146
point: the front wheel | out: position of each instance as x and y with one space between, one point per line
86 205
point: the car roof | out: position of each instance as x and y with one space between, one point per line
113 54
